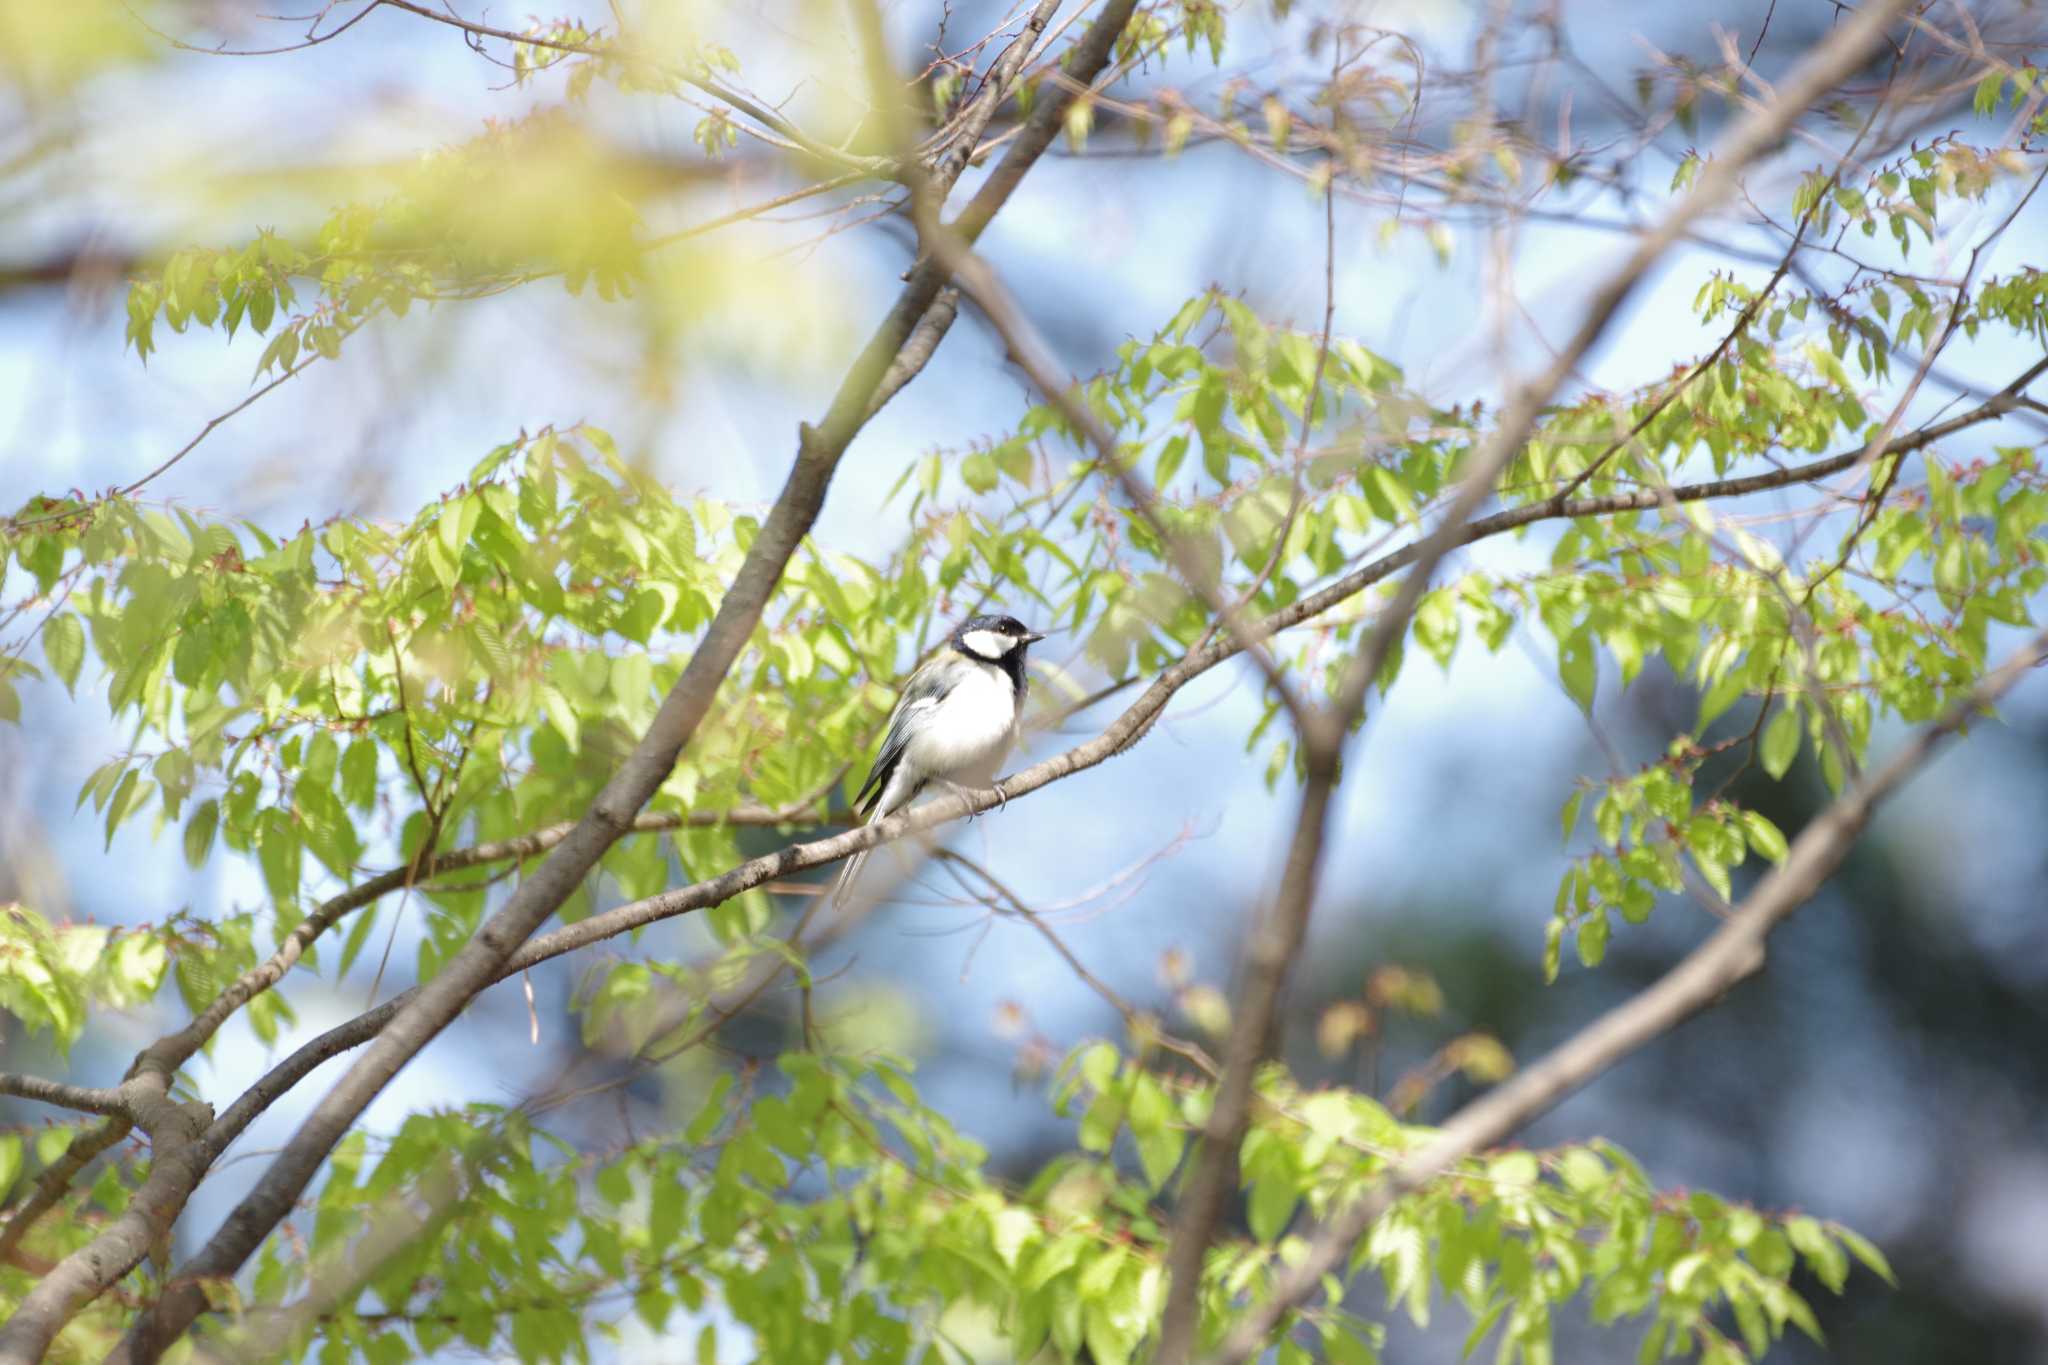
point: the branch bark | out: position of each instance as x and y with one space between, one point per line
84 1098
177 1162
173 1050
893 356
820 450
476 965
621 919
1734 953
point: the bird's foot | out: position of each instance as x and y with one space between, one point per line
967 793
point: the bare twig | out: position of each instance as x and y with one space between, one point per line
1876 452
346 329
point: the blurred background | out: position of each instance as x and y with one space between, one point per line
1889 1070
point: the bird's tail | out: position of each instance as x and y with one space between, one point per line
880 806
842 887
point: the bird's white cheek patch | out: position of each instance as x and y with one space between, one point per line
987 643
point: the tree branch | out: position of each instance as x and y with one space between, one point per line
172 1051
56 1178
1734 953
87 1099
1200 661
177 1161
611 815
800 856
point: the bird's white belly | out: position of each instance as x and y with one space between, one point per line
968 733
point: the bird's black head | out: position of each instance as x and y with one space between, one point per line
993 639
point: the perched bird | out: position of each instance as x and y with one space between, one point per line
955 721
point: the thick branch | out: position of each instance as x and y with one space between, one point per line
821 448
820 852
479 961
85 1098
1734 953
177 1160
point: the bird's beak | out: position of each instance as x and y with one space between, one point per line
1032 637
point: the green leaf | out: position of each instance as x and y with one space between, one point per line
1272 1202
979 471
1764 837
1386 484
359 774
280 851
1483 1326
1706 857
1865 1250
64 647
1822 1255
128 794
1592 939
563 715
199 831
1781 741
1569 816
1170 457
1010 1230
1984 100
1578 667
712 1113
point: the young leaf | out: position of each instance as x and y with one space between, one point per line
1781 741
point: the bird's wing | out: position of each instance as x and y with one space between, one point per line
927 687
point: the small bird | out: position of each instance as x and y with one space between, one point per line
957 718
